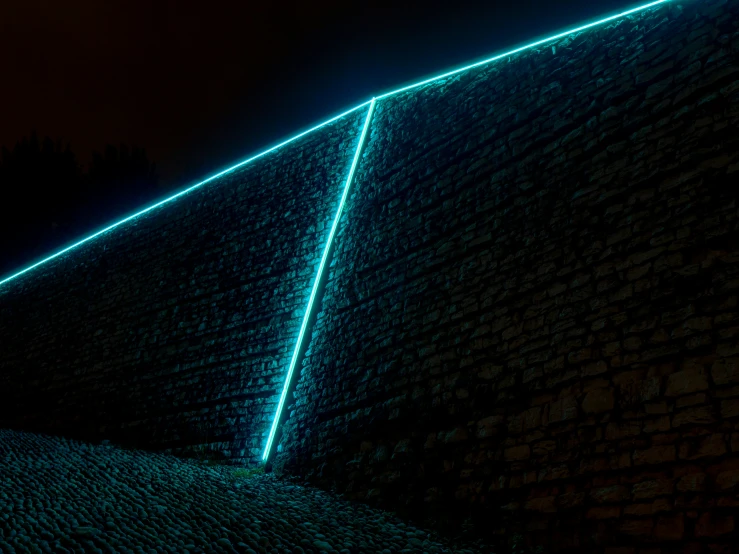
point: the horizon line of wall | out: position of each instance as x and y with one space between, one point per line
600 21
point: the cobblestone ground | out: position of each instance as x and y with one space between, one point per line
64 496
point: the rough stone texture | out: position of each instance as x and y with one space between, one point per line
531 316
175 329
70 497
529 325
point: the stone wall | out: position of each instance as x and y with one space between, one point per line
531 323
174 330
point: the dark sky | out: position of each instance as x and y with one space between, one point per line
203 84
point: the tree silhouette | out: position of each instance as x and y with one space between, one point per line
49 201
38 181
119 181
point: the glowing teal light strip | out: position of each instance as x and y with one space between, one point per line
301 335
319 273
520 49
321 268
181 193
397 91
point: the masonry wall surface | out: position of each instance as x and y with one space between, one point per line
531 323
174 330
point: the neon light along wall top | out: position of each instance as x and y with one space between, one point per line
372 104
318 126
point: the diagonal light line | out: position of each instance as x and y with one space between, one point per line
347 185
306 317
397 91
319 273
522 48
181 193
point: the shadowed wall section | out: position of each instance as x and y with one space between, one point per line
175 329
530 321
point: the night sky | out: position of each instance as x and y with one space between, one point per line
202 85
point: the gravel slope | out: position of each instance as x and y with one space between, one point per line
62 496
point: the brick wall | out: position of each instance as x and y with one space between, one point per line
531 324
174 330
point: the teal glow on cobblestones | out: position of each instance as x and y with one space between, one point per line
179 194
319 273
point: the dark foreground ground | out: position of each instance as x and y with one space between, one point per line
64 496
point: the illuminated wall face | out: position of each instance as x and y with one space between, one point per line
387 96
552 38
430 80
516 288
45 269
180 194
186 315
316 281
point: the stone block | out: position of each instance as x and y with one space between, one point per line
488 426
655 455
713 525
637 527
730 408
670 528
598 401
641 509
532 418
693 483
544 504
621 430
711 446
563 409
570 500
594 368
735 442
636 388
456 435
727 479
580 355
693 416
613 493
655 425
544 447
690 400
686 382
726 369
652 488
603 512
516 453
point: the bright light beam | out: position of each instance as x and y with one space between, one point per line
319 273
166 200
532 45
301 335
321 267
397 91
